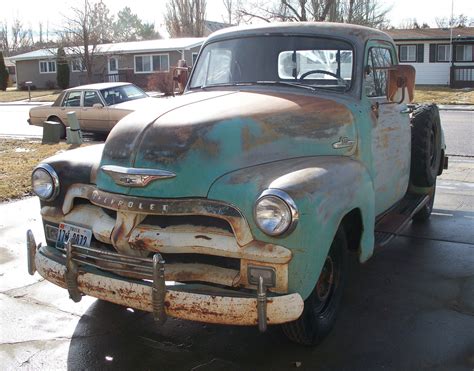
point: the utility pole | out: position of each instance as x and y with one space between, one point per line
451 49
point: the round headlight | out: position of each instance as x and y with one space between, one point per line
45 182
275 213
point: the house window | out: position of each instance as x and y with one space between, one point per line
47 66
407 53
152 63
463 53
77 65
444 52
113 65
195 56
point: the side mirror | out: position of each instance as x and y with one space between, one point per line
97 105
401 84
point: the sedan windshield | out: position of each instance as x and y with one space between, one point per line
121 94
301 61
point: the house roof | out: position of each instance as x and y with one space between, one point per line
9 62
459 33
145 46
213 26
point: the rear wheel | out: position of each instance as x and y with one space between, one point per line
62 133
426 146
321 307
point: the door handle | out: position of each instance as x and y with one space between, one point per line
344 142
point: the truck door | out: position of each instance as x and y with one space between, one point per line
391 133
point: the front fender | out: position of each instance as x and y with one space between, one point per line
324 188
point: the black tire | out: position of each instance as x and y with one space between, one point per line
321 307
62 134
425 145
424 214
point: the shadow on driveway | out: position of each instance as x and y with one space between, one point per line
410 307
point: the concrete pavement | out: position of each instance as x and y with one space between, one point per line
411 307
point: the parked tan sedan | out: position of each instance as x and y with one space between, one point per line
98 107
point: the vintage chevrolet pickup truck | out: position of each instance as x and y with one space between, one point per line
238 202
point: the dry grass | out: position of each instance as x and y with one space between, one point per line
17 160
36 95
443 95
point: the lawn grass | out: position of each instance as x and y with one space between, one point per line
17 160
36 95
443 95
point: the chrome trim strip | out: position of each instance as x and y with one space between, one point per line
291 205
162 206
135 177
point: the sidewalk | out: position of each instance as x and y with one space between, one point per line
456 107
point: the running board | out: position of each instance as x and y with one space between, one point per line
392 223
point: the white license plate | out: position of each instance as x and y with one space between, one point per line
78 235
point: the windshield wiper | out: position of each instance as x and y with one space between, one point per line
222 84
285 83
265 82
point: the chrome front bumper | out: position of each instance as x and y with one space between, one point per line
157 298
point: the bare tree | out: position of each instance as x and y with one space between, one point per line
460 20
18 40
4 39
232 14
87 27
364 12
185 17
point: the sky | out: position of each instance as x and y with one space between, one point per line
51 12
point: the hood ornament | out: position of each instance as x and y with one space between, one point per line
135 177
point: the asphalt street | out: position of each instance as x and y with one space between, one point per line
410 307
457 124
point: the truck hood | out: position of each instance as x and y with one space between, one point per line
204 135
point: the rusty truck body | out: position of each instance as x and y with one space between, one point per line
239 201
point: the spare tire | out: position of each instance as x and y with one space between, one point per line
425 145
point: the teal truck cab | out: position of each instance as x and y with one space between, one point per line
239 201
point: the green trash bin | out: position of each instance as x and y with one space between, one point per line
51 132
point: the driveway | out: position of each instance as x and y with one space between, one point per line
410 307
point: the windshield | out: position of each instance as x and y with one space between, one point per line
121 94
299 60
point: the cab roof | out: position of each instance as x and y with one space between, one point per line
357 35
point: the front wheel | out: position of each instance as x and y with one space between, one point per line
321 307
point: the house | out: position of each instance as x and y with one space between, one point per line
439 56
212 26
132 61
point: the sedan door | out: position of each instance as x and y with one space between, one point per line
71 103
95 115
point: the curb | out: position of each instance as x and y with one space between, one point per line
456 107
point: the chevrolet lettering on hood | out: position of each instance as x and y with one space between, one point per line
240 201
